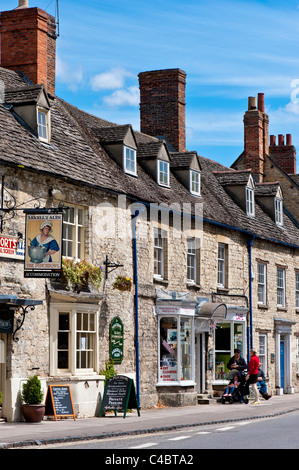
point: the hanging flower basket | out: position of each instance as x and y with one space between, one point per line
122 283
79 274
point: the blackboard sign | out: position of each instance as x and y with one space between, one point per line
119 395
59 402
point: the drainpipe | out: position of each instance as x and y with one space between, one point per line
134 220
250 243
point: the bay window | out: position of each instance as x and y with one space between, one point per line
74 346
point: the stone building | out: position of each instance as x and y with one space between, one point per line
212 251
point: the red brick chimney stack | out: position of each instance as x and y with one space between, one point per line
162 106
28 37
256 136
283 154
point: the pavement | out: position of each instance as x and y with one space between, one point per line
21 434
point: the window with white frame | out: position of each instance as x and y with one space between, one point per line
73 233
297 354
222 265
261 283
227 337
281 287
278 211
163 172
130 160
160 249
263 352
195 182
193 261
297 289
74 349
250 202
43 124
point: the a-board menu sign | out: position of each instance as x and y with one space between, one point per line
59 402
119 395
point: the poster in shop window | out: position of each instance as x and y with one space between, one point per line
43 245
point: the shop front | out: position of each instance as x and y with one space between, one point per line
228 334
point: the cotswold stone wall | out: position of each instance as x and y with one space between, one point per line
108 232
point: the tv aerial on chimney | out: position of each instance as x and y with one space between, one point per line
57 17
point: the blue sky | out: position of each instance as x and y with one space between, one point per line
230 50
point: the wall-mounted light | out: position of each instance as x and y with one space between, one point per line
56 194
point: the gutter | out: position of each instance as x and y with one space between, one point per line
135 261
250 243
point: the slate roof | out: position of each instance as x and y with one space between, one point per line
76 155
26 95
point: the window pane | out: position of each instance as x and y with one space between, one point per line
186 337
168 350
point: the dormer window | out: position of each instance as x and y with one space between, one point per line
129 160
163 173
43 124
278 211
195 182
250 202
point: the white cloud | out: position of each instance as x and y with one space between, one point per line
124 97
114 78
70 76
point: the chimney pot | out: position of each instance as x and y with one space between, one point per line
289 139
272 140
280 139
251 103
261 102
22 4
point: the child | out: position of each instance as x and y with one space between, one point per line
234 383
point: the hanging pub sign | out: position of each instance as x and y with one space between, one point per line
43 244
116 340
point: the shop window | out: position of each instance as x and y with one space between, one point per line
227 337
74 349
176 354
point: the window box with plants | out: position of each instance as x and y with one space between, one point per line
78 275
32 396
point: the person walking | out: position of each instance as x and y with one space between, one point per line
252 376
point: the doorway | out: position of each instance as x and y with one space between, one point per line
200 361
282 362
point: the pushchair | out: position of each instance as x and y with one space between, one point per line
240 393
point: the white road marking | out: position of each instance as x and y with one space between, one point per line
141 446
226 428
179 438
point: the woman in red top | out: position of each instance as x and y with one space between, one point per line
252 376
